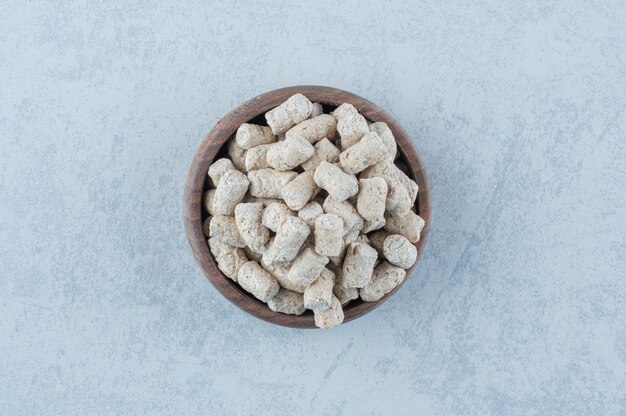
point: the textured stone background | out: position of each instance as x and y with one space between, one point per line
517 306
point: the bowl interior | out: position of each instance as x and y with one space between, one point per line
214 147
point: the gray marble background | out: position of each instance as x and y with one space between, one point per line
517 306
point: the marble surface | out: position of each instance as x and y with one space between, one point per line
517 306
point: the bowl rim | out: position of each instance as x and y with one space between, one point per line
214 141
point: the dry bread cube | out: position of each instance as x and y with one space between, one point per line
280 270
325 151
225 229
344 294
306 267
384 132
229 259
260 283
290 236
367 151
408 183
351 218
208 201
385 278
336 182
398 201
330 317
268 183
248 217
310 212
409 226
290 153
369 226
218 168
371 202
299 191
399 197
315 129
275 214
297 108
351 127
393 175
318 295
252 135
317 110
344 110
399 251
328 235
358 264
351 236
256 157
232 187
237 154
287 301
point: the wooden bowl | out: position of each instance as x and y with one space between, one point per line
212 146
